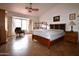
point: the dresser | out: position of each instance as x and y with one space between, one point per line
71 36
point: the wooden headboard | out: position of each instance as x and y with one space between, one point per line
58 26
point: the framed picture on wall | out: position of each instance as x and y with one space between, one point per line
72 16
56 18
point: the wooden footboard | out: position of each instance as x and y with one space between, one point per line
45 41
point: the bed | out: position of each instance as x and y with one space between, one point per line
51 36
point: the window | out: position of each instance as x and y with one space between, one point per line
20 22
17 22
23 24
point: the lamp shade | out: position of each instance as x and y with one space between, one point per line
72 23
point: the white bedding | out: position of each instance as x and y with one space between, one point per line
51 34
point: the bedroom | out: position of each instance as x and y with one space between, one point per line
67 13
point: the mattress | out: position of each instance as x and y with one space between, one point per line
51 34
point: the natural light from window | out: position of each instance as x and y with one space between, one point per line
20 22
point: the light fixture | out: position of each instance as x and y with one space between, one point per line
30 8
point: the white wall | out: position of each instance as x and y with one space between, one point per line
62 10
33 20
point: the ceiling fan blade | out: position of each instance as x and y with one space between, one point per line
29 11
35 9
26 7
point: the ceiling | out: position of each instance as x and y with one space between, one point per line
20 8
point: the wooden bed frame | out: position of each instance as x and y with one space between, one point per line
47 42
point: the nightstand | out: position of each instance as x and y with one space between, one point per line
71 36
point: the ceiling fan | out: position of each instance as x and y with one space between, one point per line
30 8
